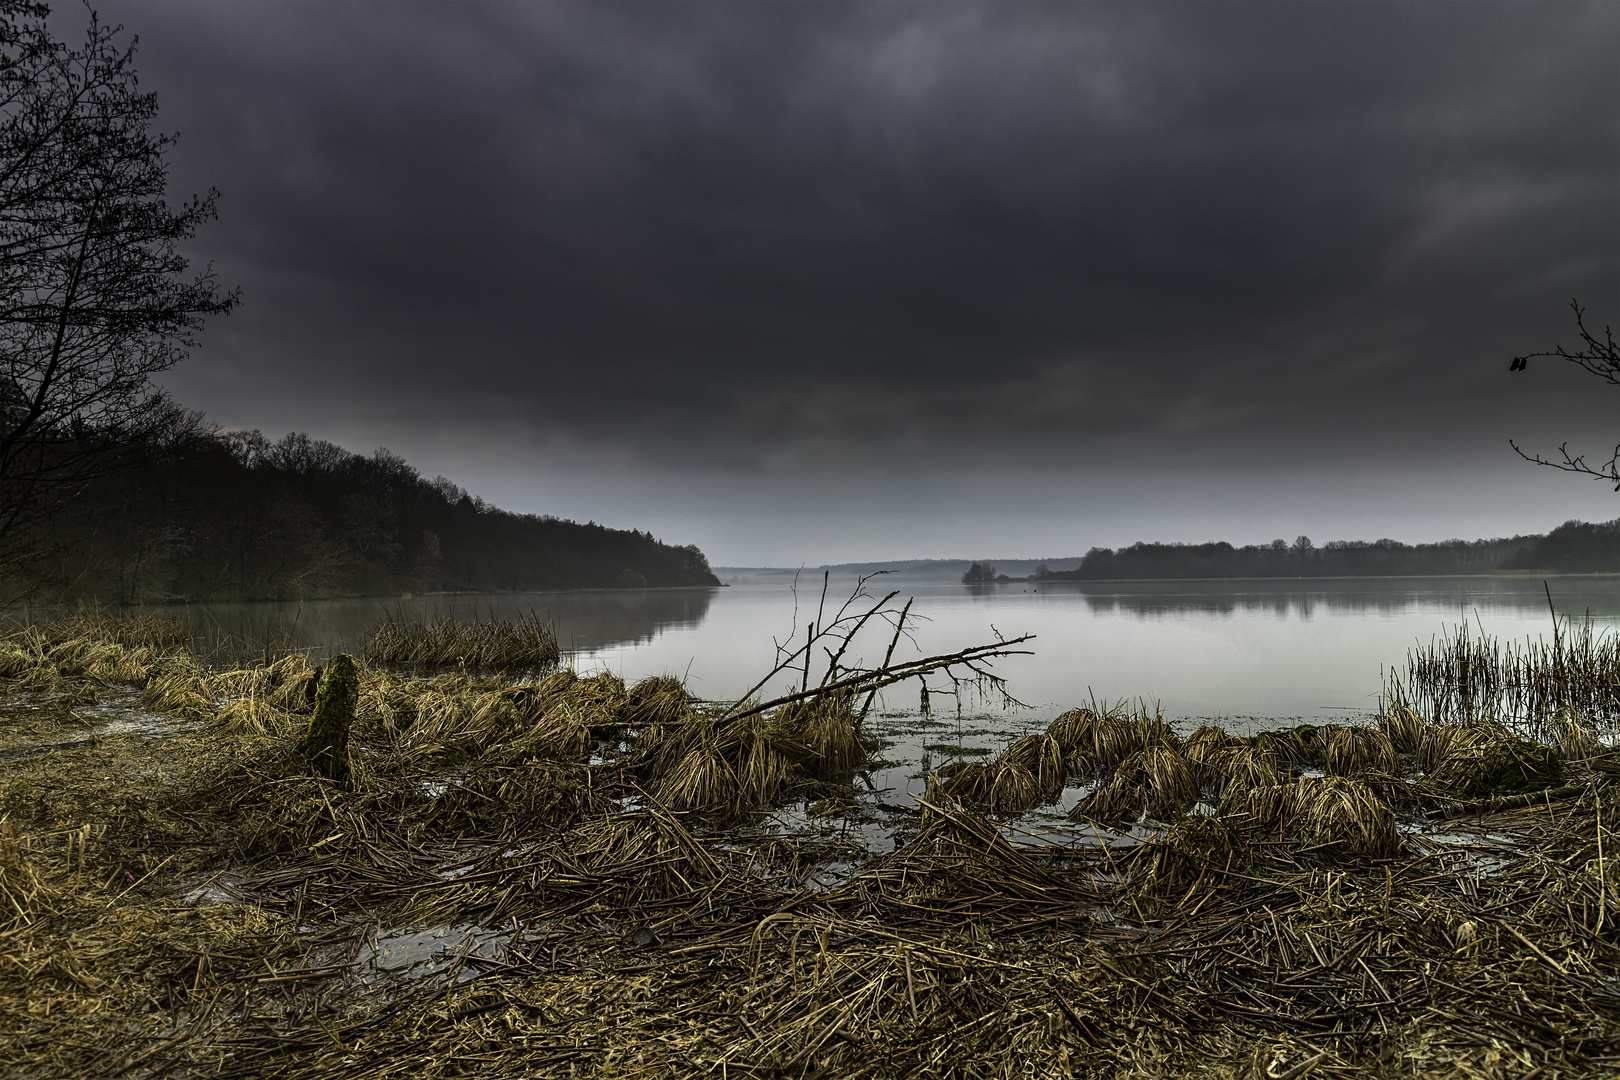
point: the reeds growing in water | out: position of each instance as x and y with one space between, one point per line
1465 678
526 642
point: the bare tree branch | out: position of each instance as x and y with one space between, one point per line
1600 357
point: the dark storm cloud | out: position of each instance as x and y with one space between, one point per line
796 233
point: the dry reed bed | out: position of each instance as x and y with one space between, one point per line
1206 955
1296 930
525 642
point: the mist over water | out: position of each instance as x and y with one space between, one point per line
1247 653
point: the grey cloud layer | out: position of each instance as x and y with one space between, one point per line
791 233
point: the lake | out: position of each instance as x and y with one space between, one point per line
1249 653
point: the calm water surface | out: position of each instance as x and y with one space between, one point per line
1249 653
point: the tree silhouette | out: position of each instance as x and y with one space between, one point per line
95 298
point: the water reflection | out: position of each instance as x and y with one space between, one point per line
1304 598
583 620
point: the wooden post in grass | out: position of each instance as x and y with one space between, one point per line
326 743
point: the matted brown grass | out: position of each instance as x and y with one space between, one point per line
1283 936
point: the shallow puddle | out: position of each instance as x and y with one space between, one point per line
430 953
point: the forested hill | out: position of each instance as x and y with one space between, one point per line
235 516
1575 547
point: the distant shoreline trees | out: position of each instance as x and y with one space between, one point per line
1574 547
235 516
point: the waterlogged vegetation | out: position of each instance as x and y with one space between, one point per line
438 860
527 641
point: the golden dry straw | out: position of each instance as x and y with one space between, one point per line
1341 819
1498 764
1157 781
1199 850
1042 756
1404 728
1203 748
1352 751
998 786
660 699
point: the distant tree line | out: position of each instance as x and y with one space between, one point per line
1575 547
203 514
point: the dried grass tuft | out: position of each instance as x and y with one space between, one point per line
1073 729
1404 728
763 769
1199 850
1042 756
1263 808
827 728
1204 748
701 778
562 734
1493 762
1156 781
998 786
1117 737
1289 746
1341 819
661 699
1238 768
1435 743
180 687
1352 751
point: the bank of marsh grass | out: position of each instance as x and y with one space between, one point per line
203 905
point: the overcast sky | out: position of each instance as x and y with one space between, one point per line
819 283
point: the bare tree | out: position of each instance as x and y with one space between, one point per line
95 298
1598 356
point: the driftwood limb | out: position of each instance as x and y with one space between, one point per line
877 678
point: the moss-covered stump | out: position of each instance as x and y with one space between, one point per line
1505 766
326 743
